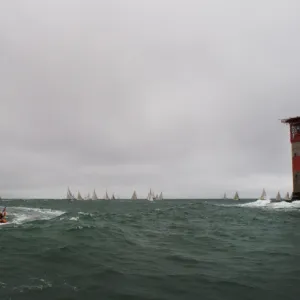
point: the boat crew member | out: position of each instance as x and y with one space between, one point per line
3 215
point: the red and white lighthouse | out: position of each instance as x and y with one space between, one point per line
295 141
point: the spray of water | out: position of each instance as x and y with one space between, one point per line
20 215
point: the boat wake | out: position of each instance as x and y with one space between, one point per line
20 215
268 204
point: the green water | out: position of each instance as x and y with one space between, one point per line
172 249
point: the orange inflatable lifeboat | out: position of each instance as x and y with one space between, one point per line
3 215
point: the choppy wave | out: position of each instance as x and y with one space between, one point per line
36 285
266 204
21 215
134 250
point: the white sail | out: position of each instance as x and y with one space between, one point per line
263 195
134 196
150 196
236 196
287 196
160 196
94 197
70 195
79 196
106 197
278 197
88 197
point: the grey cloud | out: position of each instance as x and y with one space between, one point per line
181 97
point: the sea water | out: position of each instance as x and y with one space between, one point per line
170 249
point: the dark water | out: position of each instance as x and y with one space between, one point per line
176 249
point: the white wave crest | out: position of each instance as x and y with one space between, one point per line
257 203
20 215
85 214
268 204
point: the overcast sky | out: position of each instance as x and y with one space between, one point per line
181 96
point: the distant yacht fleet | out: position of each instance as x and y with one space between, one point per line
235 197
263 196
150 197
278 198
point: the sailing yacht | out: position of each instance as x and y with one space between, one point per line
70 196
236 196
150 196
88 197
94 196
160 196
278 197
106 197
134 196
225 196
287 197
79 196
113 197
263 195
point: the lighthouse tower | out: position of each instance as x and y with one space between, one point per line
295 141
